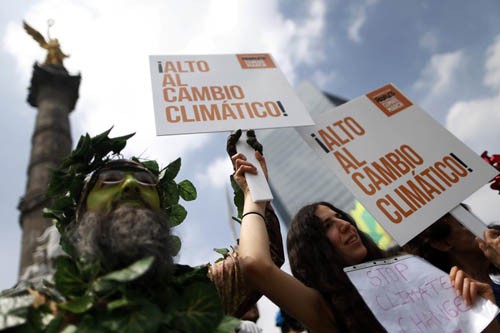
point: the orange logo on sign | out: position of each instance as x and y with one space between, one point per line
389 100
255 60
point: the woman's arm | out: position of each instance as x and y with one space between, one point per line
300 301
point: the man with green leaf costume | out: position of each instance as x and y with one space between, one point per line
114 217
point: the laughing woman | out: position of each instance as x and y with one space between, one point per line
322 240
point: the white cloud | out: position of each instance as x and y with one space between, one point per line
323 79
492 65
439 73
110 44
358 19
476 123
428 41
216 173
308 35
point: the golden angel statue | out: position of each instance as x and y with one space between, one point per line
54 54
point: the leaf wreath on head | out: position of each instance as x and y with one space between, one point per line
70 183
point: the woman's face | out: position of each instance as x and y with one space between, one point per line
343 236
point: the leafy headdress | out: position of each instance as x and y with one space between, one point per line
72 181
84 299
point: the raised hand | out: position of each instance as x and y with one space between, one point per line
469 288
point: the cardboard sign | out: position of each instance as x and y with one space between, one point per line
402 165
408 294
212 93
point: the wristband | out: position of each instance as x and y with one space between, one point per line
256 213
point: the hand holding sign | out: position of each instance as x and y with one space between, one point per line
257 183
407 294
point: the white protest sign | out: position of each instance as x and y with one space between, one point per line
212 93
403 166
408 294
258 185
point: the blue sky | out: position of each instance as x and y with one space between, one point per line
445 55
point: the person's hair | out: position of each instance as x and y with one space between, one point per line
421 245
315 262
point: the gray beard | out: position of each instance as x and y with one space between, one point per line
125 235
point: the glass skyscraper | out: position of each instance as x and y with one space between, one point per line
299 176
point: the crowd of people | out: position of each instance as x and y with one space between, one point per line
323 239
114 217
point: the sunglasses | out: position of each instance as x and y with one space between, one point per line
116 177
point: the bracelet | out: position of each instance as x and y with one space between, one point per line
256 213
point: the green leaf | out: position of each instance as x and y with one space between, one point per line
67 277
175 243
176 214
132 272
88 324
53 326
152 166
69 329
222 251
101 285
78 305
172 169
52 214
238 198
120 142
187 190
199 309
145 317
171 193
227 325
119 303
186 274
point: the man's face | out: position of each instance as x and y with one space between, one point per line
131 187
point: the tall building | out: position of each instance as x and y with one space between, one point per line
54 93
299 176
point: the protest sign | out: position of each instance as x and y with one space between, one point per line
403 166
408 294
211 93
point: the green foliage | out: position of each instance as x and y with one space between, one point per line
175 243
171 171
68 279
176 214
66 184
224 252
228 324
132 272
78 305
84 299
189 303
198 310
238 199
187 190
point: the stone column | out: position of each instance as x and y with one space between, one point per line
54 93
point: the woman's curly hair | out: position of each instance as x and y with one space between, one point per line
315 262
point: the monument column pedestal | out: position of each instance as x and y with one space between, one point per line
54 93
